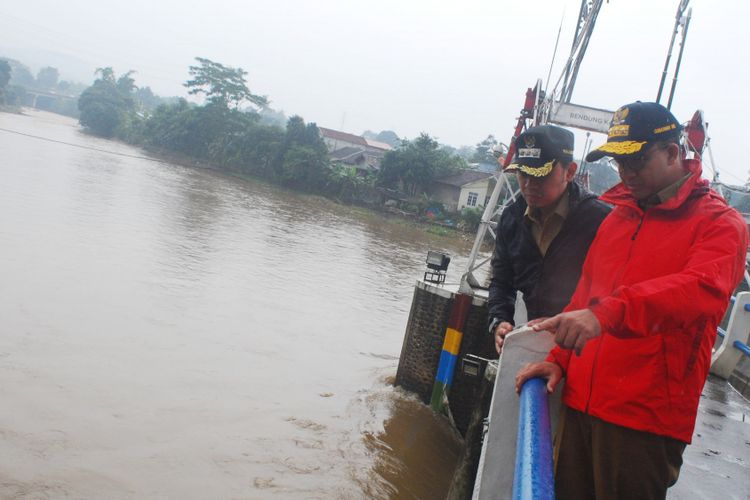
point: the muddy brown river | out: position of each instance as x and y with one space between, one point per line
171 332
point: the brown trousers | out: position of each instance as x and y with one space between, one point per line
598 460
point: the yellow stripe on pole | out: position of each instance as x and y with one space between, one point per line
452 342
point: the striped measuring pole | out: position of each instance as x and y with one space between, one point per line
449 355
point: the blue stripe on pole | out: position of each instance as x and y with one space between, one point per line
534 478
747 307
722 333
742 347
446 366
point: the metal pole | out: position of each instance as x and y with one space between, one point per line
554 53
582 12
679 57
586 36
680 9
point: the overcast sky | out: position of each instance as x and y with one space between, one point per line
457 70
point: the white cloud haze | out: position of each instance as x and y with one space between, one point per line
456 70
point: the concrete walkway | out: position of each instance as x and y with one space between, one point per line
717 463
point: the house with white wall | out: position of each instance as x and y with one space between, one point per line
467 189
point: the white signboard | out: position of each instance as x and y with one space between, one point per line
573 115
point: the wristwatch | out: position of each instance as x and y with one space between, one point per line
493 325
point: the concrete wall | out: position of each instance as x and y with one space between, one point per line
423 343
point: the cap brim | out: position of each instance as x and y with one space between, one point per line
621 148
532 171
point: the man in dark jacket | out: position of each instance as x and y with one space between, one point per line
542 238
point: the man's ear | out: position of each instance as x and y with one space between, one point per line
571 172
673 153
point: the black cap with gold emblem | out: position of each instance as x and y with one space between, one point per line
538 148
634 127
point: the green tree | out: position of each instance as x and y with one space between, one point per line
4 79
254 150
47 78
466 152
389 137
20 74
126 84
483 150
414 165
270 116
303 158
106 74
471 217
146 100
106 106
222 85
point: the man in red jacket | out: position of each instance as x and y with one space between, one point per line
635 341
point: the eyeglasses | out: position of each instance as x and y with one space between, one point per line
636 163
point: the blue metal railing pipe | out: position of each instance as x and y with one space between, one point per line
534 478
742 347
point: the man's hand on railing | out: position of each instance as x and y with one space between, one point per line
501 331
544 369
572 329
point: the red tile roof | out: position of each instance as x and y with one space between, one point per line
342 136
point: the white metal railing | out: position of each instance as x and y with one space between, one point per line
733 346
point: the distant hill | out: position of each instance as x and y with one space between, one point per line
71 68
387 136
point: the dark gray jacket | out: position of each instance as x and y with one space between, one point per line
547 282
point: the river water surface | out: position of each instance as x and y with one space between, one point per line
170 332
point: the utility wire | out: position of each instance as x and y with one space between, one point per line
83 147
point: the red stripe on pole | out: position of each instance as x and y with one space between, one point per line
459 311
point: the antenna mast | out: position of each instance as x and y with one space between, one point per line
680 20
585 26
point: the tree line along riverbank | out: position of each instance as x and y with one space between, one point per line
232 132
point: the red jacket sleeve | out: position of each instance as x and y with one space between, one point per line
716 263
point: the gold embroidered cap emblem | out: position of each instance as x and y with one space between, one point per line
622 148
529 141
619 131
665 128
532 171
620 116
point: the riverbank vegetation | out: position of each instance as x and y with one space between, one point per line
237 131
48 91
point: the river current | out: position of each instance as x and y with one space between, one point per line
172 332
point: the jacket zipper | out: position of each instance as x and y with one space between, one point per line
637 229
599 345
